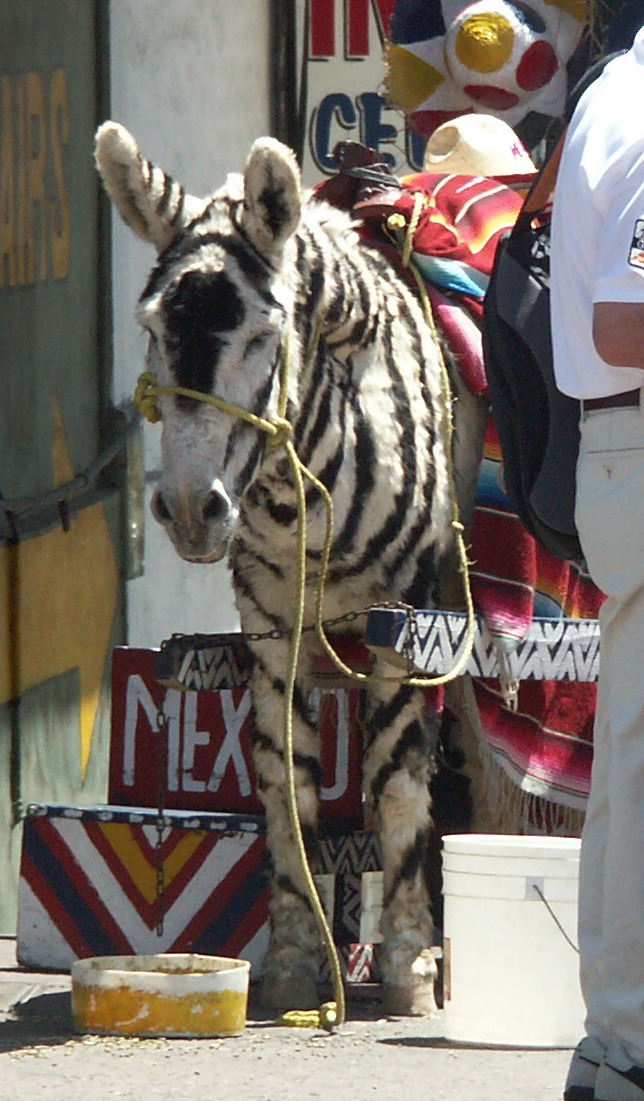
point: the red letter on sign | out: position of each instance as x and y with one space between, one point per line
322 28
357 26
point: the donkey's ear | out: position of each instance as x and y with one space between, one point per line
148 200
272 195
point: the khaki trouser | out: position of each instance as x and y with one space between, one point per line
610 520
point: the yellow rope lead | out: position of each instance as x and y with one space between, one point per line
325 1017
330 1015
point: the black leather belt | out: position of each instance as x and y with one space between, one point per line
629 399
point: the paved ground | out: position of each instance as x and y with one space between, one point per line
371 1057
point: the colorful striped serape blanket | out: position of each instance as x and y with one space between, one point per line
545 745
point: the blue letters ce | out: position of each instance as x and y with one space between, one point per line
366 117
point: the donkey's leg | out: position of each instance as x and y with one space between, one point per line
396 777
292 961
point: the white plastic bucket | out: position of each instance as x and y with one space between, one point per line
511 976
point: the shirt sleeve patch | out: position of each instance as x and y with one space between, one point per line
636 254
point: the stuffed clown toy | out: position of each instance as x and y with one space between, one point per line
506 58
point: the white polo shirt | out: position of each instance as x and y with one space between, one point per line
597 250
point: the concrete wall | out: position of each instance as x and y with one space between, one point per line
190 79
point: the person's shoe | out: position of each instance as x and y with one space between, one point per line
619 1085
584 1067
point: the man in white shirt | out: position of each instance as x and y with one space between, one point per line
597 303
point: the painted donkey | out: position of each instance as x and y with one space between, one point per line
255 269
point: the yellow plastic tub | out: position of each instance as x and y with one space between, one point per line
181 995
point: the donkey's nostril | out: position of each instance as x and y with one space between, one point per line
160 509
215 506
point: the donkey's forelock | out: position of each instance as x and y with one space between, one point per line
200 312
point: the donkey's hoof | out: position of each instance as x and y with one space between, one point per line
292 993
409 1001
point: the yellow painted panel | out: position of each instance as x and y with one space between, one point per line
68 584
410 80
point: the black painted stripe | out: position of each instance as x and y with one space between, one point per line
245 588
178 211
256 405
265 743
285 884
315 380
319 425
412 863
330 471
385 714
414 741
409 551
393 525
419 593
281 514
363 331
204 216
261 560
310 267
278 685
252 462
365 462
164 201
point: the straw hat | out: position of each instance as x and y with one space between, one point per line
477 145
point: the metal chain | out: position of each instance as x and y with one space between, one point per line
162 757
276 633
410 642
411 639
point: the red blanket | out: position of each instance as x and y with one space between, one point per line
545 745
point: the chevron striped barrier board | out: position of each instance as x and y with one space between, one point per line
431 641
203 662
200 663
88 887
350 882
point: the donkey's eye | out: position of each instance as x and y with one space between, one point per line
255 343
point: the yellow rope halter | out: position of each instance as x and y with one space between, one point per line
148 391
280 431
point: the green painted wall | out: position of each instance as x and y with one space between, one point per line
60 590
